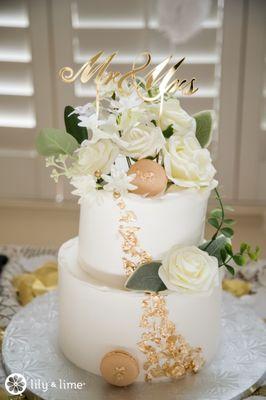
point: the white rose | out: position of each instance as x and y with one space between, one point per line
189 269
94 157
132 117
186 163
142 140
173 114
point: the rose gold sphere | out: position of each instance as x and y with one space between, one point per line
150 179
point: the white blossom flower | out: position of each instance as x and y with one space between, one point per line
86 109
133 116
86 188
126 102
101 129
119 181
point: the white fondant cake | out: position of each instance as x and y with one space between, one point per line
139 288
95 319
175 218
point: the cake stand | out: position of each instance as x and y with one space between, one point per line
31 348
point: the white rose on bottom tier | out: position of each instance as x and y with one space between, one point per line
142 140
187 164
189 269
94 157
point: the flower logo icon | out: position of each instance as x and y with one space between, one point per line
15 384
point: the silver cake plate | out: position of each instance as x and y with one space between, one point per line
31 348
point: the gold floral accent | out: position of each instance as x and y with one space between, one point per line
167 353
133 254
119 373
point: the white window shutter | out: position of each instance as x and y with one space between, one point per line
38 37
131 28
26 98
252 154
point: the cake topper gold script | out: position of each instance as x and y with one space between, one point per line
160 77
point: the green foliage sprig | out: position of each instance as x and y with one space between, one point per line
220 244
219 221
240 258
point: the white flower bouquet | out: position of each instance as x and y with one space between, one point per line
124 126
137 138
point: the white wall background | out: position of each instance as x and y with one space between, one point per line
38 37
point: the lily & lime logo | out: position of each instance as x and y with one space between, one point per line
15 384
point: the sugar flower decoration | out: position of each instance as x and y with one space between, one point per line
118 181
86 188
86 109
127 102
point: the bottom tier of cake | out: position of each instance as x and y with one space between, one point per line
165 334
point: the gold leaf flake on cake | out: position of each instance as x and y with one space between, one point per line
167 352
134 255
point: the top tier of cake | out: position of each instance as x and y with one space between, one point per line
112 230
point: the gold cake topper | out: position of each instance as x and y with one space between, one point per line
165 79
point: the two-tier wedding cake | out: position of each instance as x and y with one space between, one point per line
139 288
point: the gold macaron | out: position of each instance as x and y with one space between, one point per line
119 368
150 178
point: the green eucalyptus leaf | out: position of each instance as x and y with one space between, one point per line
223 254
239 259
204 127
216 213
146 278
228 248
213 248
253 256
243 247
71 122
168 132
230 269
214 222
228 232
52 142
